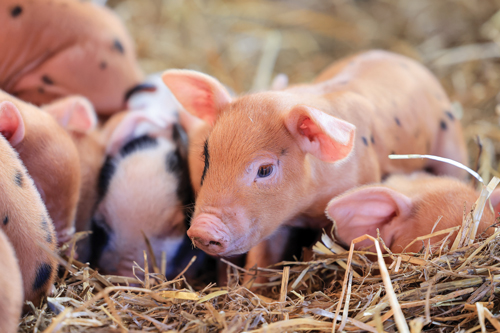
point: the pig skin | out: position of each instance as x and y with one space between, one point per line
55 48
377 103
11 287
405 207
27 225
52 160
77 115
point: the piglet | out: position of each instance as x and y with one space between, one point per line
49 154
11 287
405 207
25 221
77 115
55 48
278 157
144 189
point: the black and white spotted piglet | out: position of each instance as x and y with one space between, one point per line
144 189
25 221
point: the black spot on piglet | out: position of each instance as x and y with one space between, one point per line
117 45
5 220
42 276
365 141
206 158
173 162
47 80
140 143
18 178
443 125
16 11
45 227
396 119
450 115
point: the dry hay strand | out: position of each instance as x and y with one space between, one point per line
446 287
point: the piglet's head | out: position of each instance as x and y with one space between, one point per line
256 160
404 208
142 192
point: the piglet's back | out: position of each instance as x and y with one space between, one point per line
27 225
55 48
404 109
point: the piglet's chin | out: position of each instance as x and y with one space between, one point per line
208 233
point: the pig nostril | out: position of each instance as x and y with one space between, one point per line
214 243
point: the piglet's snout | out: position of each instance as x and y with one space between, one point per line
208 233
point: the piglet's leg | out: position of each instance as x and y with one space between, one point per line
267 252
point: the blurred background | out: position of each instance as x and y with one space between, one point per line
246 43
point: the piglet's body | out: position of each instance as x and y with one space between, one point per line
49 154
54 48
26 223
404 208
278 157
11 287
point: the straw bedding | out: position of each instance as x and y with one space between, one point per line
446 288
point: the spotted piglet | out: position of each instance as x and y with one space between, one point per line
55 48
50 156
276 158
405 207
144 188
11 287
26 222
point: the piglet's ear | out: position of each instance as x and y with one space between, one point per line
495 201
74 113
125 131
11 123
363 210
280 82
189 123
200 94
326 137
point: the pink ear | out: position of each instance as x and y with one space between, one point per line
363 210
189 122
280 82
326 137
201 95
75 113
125 130
11 123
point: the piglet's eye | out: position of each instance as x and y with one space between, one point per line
265 171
